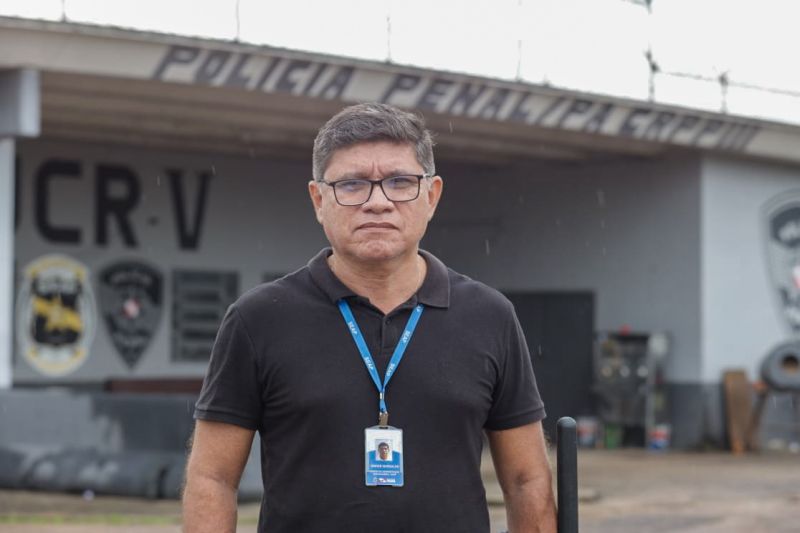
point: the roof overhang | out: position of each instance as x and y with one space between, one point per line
115 85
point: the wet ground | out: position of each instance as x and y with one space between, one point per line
624 491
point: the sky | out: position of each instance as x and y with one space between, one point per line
595 46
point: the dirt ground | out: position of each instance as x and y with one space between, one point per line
623 491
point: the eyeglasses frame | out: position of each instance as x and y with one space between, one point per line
373 183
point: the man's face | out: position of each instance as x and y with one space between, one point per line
379 230
383 451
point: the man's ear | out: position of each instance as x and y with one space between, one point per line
434 193
315 192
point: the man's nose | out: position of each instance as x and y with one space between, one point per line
378 199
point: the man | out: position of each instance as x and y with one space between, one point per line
384 452
374 339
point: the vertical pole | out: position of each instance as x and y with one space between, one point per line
20 116
6 259
567 474
389 31
238 22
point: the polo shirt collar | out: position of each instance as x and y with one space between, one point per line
434 292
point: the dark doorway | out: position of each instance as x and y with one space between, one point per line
559 329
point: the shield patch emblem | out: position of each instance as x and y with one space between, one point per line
131 296
783 254
55 315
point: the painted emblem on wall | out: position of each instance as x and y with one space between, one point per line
55 315
131 295
783 254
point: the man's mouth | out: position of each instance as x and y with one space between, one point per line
377 225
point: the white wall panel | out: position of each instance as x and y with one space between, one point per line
742 319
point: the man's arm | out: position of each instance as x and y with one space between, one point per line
218 457
520 460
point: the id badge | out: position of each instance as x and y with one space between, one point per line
383 463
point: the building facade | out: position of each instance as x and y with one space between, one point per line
154 178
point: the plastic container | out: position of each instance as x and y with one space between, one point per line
588 429
659 437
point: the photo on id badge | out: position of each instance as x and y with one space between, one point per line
383 456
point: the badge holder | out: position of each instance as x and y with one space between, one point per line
383 444
383 464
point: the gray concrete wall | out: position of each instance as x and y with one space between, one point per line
125 444
103 422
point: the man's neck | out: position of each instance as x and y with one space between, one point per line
386 285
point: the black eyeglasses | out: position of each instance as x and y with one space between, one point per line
349 192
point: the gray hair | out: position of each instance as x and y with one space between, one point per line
369 123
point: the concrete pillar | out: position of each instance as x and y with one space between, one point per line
19 103
19 117
6 259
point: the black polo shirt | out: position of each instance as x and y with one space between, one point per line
285 364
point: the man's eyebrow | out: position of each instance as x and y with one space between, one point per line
357 175
351 176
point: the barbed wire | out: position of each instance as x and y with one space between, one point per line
724 79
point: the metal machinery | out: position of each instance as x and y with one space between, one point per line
630 389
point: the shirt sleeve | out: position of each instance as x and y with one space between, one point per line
516 401
231 389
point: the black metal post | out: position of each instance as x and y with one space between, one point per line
567 474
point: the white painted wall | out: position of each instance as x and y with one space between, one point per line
258 221
741 318
627 230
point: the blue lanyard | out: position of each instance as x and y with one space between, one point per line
399 350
